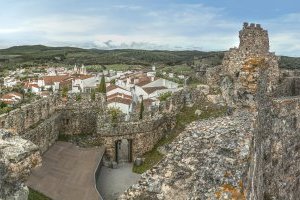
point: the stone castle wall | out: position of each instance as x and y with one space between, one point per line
45 133
23 118
80 117
43 120
144 134
281 156
289 83
74 116
78 121
274 169
250 79
274 162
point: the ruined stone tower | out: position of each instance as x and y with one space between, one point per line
242 65
254 39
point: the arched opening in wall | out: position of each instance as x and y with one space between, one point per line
2 124
123 150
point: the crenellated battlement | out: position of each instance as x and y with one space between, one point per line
252 25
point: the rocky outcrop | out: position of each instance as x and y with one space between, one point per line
208 160
17 158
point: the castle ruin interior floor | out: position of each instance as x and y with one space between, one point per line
67 172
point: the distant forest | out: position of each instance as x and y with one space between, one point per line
26 56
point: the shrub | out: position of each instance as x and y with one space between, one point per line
164 96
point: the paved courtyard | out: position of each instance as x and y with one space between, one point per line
113 182
67 173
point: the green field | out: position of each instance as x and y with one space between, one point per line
26 56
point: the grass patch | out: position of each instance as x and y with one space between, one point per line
35 195
184 117
151 158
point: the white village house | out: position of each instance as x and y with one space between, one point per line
11 98
120 98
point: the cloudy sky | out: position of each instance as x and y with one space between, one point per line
148 24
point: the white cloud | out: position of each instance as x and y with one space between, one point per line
10 30
61 24
127 7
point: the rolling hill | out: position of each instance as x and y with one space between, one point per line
27 56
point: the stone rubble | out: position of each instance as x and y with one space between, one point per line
206 161
17 158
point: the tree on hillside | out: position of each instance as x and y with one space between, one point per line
102 85
142 108
3 104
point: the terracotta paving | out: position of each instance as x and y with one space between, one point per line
67 173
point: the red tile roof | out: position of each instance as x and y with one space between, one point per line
30 85
143 82
49 80
34 85
8 101
16 93
111 87
150 90
11 95
124 96
82 76
119 100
